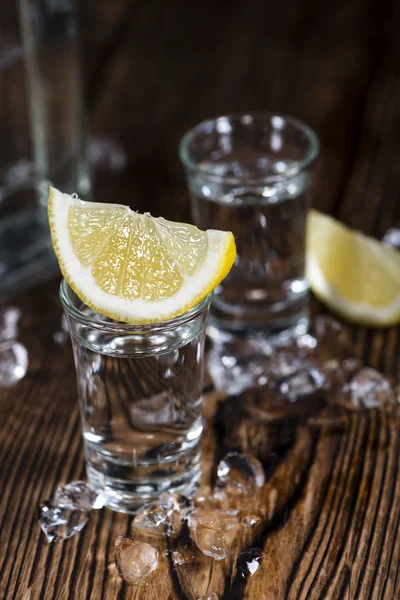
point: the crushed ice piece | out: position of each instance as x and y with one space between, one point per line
285 362
369 389
212 596
182 557
248 562
213 532
250 520
13 363
240 473
177 502
392 237
134 560
205 498
235 366
75 495
301 383
59 523
307 341
160 410
162 517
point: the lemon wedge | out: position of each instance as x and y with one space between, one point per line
132 267
355 275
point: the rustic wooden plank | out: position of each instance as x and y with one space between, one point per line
330 510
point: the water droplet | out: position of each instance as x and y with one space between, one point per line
248 562
250 520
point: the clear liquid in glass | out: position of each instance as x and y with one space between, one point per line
266 289
141 404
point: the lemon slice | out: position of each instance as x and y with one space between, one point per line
355 275
133 267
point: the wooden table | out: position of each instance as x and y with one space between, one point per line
152 70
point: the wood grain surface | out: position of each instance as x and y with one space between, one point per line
331 505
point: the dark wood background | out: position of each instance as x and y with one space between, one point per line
153 69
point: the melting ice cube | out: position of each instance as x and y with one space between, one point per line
369 389
240 473
76 495
135 560
59 523
213 532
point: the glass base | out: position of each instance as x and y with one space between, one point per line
219 333
26 254
128 495
290 321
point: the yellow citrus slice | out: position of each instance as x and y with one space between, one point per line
132 267
353 274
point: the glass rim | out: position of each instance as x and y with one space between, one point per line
116 326
208 124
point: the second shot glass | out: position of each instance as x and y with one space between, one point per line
252 174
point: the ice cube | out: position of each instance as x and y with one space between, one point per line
240 474
250 520
285 362
182 557
135 560
248 562
205 498
307 341
302 383
212 596
369 389
161 517
13 363
213 532
392 237
161 410
178 502
59 523
75 495
235 366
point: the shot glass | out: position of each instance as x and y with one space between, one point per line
252 174
140 394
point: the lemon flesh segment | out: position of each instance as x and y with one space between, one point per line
133 267
354 274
